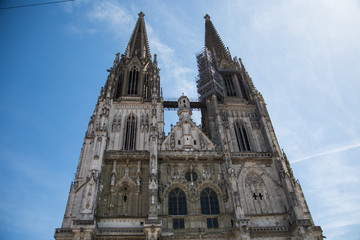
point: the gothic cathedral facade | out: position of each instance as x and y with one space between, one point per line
224 179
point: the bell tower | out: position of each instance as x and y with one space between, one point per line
257 173
117 170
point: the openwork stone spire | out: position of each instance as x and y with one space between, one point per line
138 44
213 41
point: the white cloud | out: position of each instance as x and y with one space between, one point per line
328 152
175 76
112 15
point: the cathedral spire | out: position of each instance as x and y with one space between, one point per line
138 44
213 41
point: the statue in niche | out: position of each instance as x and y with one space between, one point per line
142 123
176 174
231 171
138 171
138 181
202 141
118 127
204 173
152 182
147 123
112 182
172 141
127 170
152 198
114 123
152 164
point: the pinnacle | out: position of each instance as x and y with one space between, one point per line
213 41
141 14
138 44
207 17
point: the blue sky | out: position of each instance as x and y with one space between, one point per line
303 56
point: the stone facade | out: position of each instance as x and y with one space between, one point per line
225 179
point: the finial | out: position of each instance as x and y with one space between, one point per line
182 93
116 61
141 14
207 17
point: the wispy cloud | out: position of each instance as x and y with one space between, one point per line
99 17
112 15
328 152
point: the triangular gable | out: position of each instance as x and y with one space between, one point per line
187 136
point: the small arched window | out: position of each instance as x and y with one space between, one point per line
177 202
130 133
191 176
241 137
133 81
209 202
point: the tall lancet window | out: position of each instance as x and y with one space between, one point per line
209 202
242 87
177 206
133 81
210 206
130 133
146 93
120 84
241 137
229 85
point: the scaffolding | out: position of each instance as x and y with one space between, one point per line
208 81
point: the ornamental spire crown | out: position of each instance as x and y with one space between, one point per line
138 44
213 41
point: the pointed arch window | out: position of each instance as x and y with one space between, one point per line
241 137
242 87
146 92
209 202
133 81
130 133
191 176
177 202
120 84
229 85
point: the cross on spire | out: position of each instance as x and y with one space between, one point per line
207 17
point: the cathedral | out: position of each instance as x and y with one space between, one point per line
226 178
